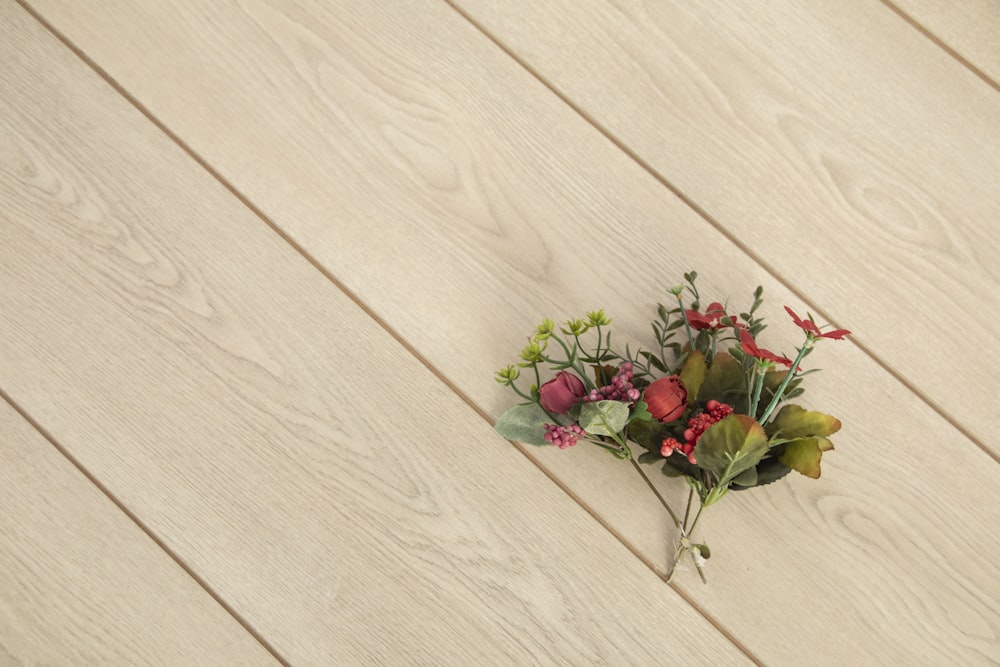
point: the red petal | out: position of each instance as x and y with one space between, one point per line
837 334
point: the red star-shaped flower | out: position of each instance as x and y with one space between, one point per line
810 327
750 347
711 318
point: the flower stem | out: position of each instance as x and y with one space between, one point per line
656 492
788 378
695 522
760 371
687 325
522 394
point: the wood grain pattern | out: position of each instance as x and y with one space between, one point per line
970 28
329 487
463 212
80 584
842 147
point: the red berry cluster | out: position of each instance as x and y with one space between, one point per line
697 425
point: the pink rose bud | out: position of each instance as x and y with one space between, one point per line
666 398
561 393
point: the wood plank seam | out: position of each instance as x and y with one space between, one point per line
142 526
704 214
699 609
937 41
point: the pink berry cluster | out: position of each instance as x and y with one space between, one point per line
697 425
563 436
620 389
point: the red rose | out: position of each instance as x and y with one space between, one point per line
666 398
561 393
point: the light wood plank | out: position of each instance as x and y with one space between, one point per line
81 584
841 146
328 486
971 28
369 134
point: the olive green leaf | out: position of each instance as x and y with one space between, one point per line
524 424
724 380
793 422
693 373
804 455
731 446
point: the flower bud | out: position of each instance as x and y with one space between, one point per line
561 393
666 398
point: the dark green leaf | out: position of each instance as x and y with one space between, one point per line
640 412
649 458
731 446
746 478
654 361
770 470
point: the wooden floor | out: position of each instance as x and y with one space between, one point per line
260 259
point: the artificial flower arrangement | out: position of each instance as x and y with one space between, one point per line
713 410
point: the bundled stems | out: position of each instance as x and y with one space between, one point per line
686 532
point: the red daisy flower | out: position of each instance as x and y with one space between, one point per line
711 318
749 346
810 327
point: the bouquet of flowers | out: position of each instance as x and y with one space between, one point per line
713 410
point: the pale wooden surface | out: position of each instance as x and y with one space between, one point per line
81 584
971 28
460 200
840 146
339 496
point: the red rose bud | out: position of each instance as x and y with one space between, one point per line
561 393
666 398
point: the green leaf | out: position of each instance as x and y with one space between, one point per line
724 381
730 447
649 458
524 424
640 413
603 417
693 373
770 470
703 550
677 464
746 478
670 470
654 361
804 455
648 434
794 422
